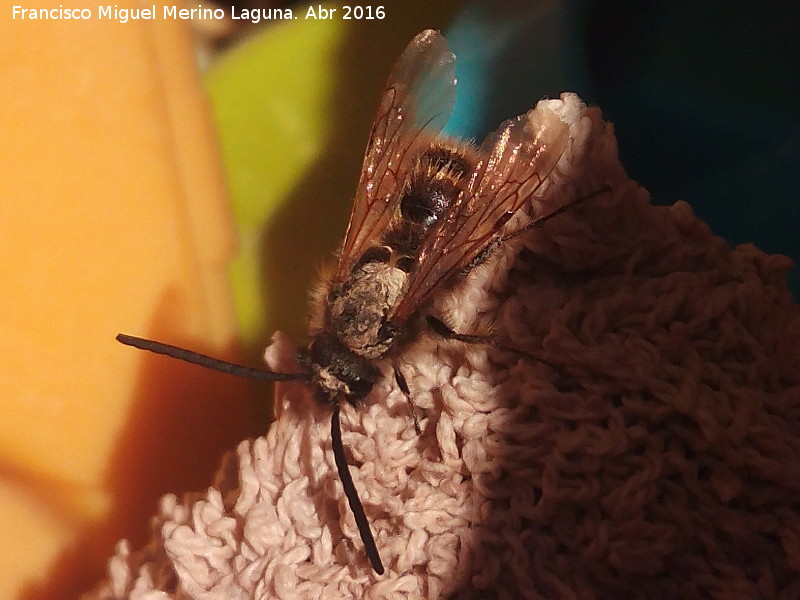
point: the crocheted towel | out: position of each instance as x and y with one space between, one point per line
645 446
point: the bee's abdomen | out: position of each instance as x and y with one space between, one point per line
432 186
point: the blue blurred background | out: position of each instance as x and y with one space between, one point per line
704 96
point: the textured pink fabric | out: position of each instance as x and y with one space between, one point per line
646 446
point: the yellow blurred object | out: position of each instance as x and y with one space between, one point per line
114 218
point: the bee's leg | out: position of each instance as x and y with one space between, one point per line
538 222
403 385
444 331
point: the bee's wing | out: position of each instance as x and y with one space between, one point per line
517 159
417 102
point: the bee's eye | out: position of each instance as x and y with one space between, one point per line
359 387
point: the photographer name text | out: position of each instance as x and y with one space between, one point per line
200 13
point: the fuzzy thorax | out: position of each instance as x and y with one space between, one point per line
359 311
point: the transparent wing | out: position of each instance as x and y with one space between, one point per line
517 159
416 104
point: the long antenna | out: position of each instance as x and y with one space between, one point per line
352 495
216 364
209 362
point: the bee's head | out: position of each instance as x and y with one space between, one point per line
338 371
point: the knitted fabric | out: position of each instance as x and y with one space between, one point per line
644 444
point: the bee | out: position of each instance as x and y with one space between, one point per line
427 210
